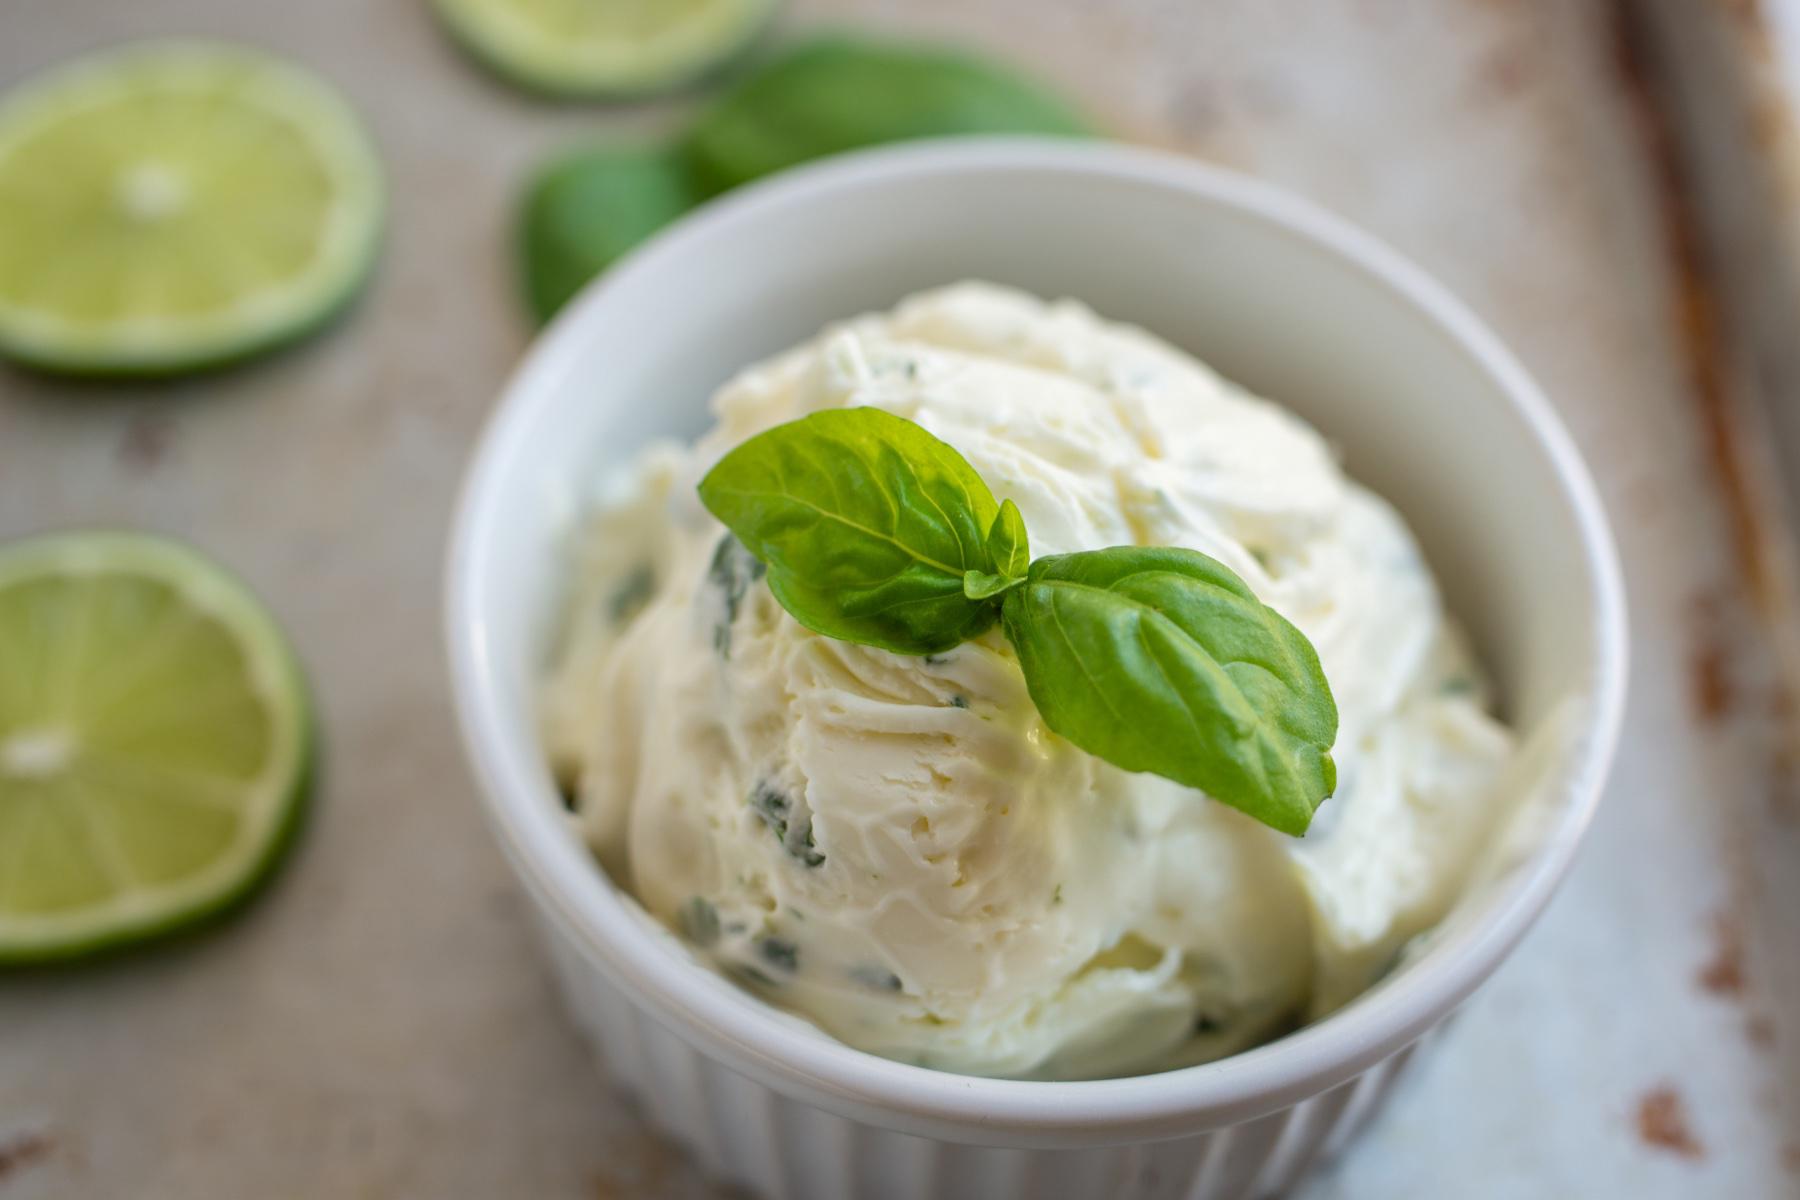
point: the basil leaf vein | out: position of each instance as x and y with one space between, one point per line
1010 553
1161 659
868 525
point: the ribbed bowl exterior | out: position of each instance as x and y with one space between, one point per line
744 1133
1367 347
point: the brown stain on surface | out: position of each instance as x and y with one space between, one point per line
1784 773
146 442
647 1166
22 1150
1723 975
1506 71
1662 1122
1197 111
1771 115
1700 328
1760 1030
1697 317
1713 691
1709 679
1748 12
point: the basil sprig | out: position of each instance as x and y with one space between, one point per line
1160 659
1155 659
869 526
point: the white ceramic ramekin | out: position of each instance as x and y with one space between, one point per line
1430 411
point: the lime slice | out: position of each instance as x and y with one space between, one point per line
604 47
171 205
154 742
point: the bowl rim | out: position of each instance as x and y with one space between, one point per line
758 1040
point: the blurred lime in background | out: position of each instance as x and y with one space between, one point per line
155 741
171 205
604 47
822 97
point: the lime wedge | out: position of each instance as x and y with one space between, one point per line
171 205
155 741
604 47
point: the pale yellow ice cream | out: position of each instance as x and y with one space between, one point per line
897 847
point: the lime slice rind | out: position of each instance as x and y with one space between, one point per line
268 810
345 242
169 912
504 36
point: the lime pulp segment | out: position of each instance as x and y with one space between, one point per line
171 204
154 742
600 47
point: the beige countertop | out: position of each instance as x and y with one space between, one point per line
381 1024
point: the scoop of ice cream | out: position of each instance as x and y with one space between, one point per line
897 847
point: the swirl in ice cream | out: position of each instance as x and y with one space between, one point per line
896 847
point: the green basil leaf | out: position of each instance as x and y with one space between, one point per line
985 585
586 209
868 526
1007 543
839 93
1162 660
1010 552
